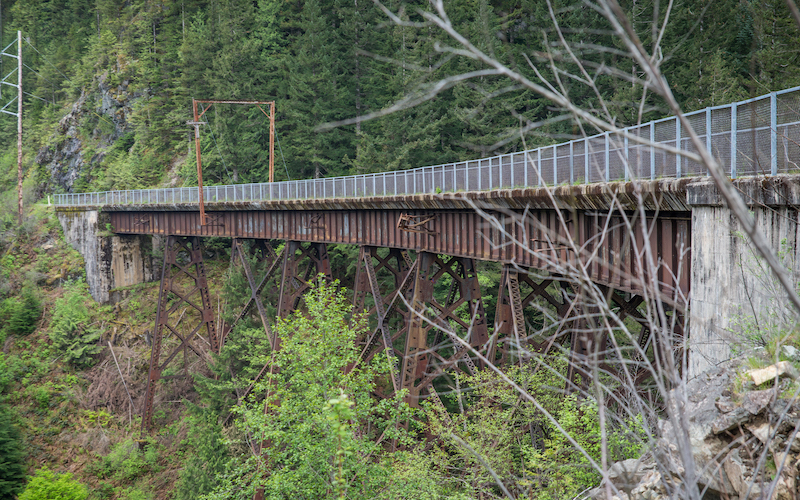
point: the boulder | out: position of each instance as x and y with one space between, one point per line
783 368
753 403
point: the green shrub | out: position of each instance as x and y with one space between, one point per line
563 470
71 329
207 460
46 485
126 462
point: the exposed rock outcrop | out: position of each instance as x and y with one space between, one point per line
744 446
66 158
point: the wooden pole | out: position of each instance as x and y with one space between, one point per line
19 124
272 142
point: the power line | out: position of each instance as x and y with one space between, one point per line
39 74
219 152
47 60
284 159
40 98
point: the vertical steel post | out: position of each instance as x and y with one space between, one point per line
500 161
626 158
539 165
606 137
652 151
773 132
678 147
708 132
199 164
513 177
586 160
734 136
272 141
571 162
555 165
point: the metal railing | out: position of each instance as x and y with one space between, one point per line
758 136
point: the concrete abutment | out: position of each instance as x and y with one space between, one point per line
736 301
113 261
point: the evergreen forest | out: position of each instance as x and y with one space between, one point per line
108 88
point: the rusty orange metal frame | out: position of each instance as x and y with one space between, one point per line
196 124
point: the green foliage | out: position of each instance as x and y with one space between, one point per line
12 457
19 315
207 460
6 373
46 485
127 462
71 329
564 470
25 313
323 428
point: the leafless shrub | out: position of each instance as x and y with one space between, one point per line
616 361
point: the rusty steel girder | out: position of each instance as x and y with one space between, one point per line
183 285
608 245
442 336
577 327
294 282
388 301
261 252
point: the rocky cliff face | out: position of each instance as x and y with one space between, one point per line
97 119
745 445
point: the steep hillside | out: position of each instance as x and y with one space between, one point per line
108 89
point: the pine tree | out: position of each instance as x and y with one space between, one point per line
12 457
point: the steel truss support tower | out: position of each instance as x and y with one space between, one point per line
183 298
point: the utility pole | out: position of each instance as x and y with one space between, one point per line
7 81
19 123
196 123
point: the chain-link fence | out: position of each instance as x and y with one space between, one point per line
759 136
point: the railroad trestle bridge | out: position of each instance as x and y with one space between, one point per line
639 224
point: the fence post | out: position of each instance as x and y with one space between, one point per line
708 132
572 162
586 179
678 147
513 177
500 161
652 151
606 137
555 165
627 157
539 165
773 132
734 136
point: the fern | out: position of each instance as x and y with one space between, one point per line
71 329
